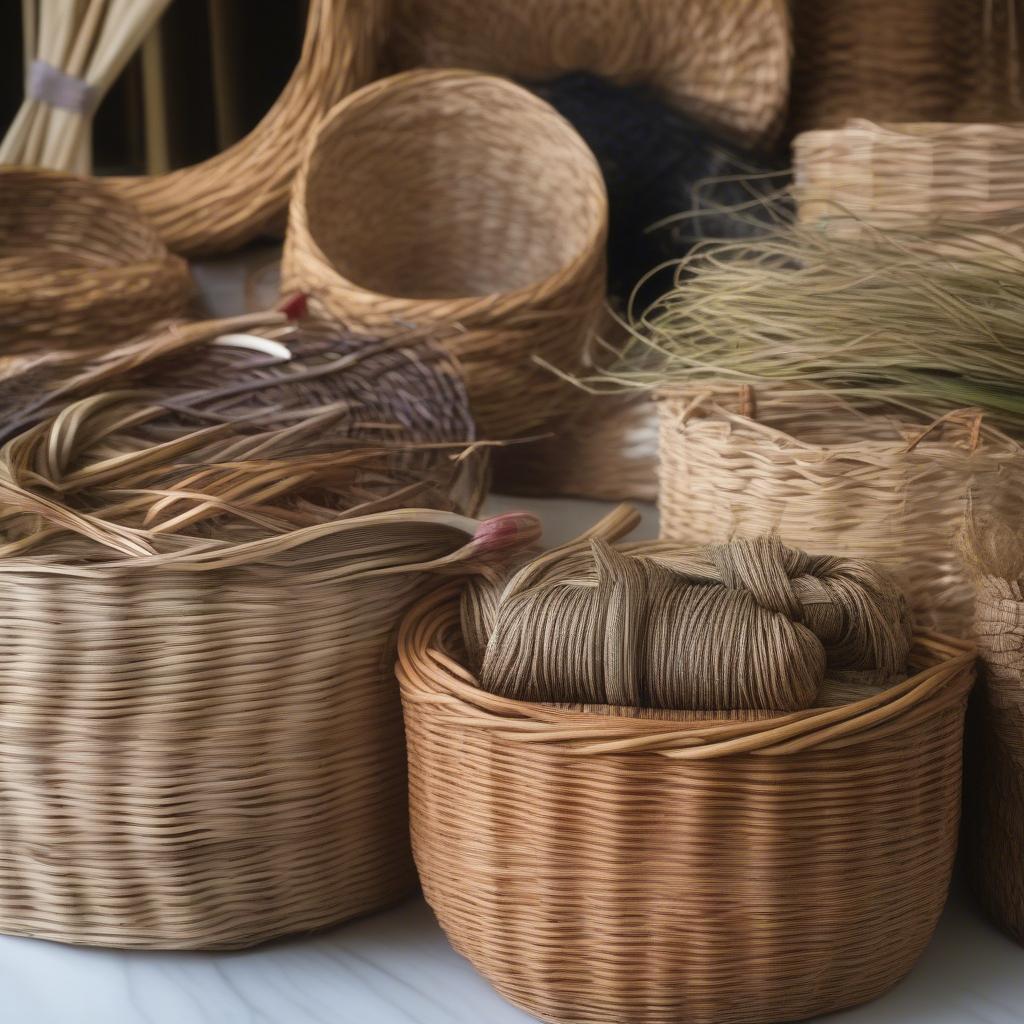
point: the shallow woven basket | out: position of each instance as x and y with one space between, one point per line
600 868
461 205
79 265
914 60
827 477
924 174
994 801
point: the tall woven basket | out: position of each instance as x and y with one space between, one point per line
922 174
828 477
410 213
601 868
200 735
79 265
915 60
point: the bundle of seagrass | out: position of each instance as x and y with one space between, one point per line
927 176
201 582
79 265
994 800
916 60
834 828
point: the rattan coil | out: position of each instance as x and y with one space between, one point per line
600 868
409 211
78 264
828 477
201 739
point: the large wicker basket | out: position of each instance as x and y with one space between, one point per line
78 264
913 60
410 211
600 868
828 477
925 175
994 801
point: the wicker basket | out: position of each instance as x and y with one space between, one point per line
600 868
78 265
925 175
994 801
828 477
914 60
410 211
201 739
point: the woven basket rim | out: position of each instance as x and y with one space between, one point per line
431 676
417 79
909 131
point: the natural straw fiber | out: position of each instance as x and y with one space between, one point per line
994 800
915 60
201 744
608 866
409 212
748 625
826 476
223 202
923 175
78 265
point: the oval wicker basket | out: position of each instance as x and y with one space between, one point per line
828 477
78 264
201 738
922 174
409 211
915 60
600 868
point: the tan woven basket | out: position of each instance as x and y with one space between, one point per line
994 801
912 60
409 211
79 265
600 868
827 477
921 174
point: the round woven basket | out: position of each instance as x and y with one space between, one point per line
601 868
828 477
916 60
464 207
201 741
79 265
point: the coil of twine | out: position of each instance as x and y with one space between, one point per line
749 625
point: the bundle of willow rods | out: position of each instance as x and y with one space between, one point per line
750 625
874 316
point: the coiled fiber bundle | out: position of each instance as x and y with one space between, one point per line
994 800
201 586
749 625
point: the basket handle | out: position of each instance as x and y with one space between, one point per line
970 417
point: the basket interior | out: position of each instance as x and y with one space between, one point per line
452 189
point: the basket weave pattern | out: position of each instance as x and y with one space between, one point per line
605 868
78 265
828 478
462 206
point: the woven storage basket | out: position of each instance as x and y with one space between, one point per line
994 802
920 174
598 867
827 477
201 746
463 206
915 60
79 265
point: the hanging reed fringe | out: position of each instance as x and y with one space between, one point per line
994 800
749 625
75 50
916 60
201 583
78 265
834 829
407 213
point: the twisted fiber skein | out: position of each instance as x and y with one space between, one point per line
750 625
